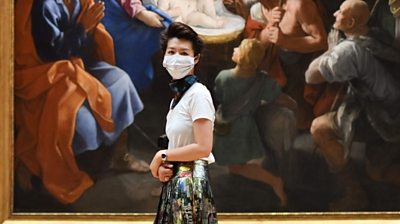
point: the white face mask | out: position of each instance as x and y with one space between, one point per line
178 66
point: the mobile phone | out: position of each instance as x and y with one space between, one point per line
162 141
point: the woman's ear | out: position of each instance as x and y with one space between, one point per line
196 58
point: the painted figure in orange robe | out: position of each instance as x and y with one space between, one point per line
68 97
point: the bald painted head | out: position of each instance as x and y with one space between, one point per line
351 15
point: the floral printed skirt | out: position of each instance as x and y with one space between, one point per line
187 197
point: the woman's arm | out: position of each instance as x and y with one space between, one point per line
203 136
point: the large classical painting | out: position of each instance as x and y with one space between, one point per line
306 94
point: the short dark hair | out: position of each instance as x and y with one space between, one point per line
182 31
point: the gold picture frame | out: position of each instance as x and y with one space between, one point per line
7 216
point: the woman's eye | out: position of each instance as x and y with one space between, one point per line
170 52
184 53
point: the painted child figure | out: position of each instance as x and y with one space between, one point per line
240 92
199 13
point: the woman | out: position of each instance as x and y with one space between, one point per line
186 196
238 140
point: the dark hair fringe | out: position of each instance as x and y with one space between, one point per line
182 31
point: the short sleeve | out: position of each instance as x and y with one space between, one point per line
271 90
201 106
339 65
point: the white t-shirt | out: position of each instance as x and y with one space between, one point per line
196 103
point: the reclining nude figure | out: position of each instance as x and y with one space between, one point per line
199 13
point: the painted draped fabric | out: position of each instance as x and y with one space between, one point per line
53 85
135 43
372 68
242 143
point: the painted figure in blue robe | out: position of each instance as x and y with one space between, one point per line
61 32
135 29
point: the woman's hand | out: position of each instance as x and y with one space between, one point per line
156 163
165 172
